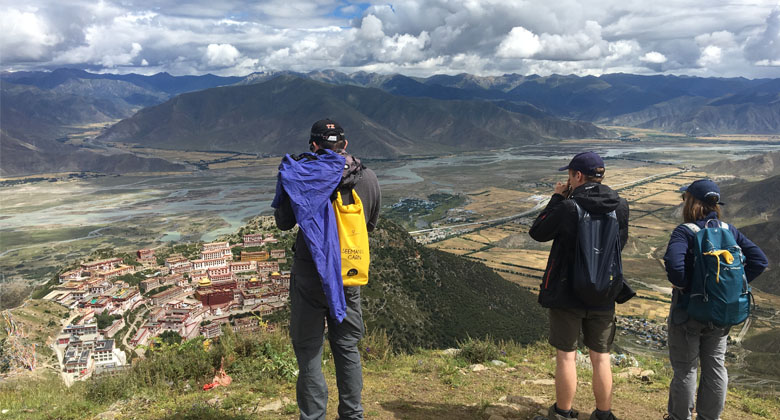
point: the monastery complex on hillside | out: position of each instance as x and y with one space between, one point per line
188 297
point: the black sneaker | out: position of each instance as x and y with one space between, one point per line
552 414
611 416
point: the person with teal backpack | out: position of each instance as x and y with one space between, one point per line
710 265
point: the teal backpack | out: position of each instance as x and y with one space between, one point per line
720 293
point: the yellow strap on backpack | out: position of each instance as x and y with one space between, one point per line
726 257
353 239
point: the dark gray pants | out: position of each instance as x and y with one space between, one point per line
690 343
309 310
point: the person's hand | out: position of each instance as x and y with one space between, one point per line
562 188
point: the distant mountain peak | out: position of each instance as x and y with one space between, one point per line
386 125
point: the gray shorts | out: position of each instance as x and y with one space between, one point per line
598 329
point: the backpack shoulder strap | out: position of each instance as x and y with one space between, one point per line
693 227
724 225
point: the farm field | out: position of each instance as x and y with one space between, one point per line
649 180
47 224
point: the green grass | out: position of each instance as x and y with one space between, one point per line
418 385
479 351
40 398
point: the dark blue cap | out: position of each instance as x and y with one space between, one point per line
586 162
703 189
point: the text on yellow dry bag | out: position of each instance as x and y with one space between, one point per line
353 238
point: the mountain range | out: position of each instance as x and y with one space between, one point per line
39 108
390 114
273 117
138 89
680 104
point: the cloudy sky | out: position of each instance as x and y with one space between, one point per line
413 37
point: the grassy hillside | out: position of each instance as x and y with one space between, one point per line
764 165
757 204
428 298
764 348
765 236
759 199
425 384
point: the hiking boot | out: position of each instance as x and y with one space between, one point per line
553 415
611 416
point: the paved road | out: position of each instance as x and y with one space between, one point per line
667 290
533 210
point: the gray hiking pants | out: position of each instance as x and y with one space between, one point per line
309 310
692 342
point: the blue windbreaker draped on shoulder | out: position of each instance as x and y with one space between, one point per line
309 183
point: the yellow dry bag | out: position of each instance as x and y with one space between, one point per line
353 238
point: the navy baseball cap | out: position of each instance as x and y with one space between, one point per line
703 189
586 162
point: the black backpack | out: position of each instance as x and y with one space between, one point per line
597 272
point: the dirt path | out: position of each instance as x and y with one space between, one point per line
138 318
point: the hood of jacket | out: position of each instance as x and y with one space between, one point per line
596 198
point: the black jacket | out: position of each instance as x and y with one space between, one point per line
558 222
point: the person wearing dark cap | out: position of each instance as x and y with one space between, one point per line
692 342
306 185
568 314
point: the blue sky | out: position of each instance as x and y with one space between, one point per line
413 37
350 11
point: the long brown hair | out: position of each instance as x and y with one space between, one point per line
695 209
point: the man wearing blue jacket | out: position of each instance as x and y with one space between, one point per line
305 188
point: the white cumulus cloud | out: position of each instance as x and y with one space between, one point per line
768 63
622 48
710 55
420 37
221 55
653 57
519 43
764 46
25 35
371 28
